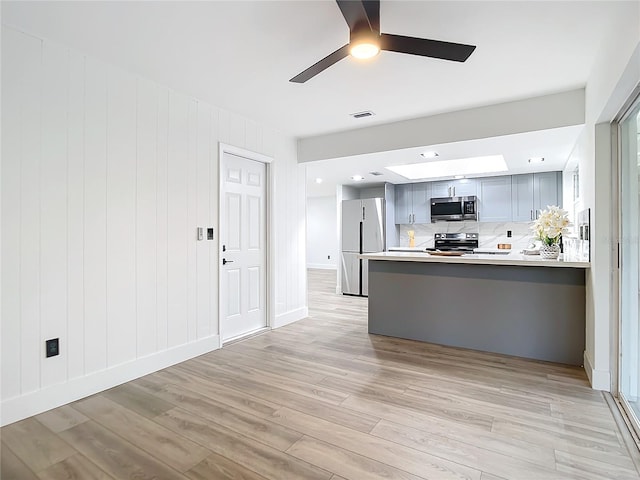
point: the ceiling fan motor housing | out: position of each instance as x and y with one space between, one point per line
363 40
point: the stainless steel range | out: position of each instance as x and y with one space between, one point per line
455 242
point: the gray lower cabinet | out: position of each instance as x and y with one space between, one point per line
533 192
501 311
494 199
412 203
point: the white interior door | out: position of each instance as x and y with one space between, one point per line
243 245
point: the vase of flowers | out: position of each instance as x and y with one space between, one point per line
548 228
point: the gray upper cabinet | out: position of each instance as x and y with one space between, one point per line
454 188
494 199
441 189
465 187
421 195
506 198
547 190
403 206
522 197
533 192
412 203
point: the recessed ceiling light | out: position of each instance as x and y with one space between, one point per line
458 177
318 180
449 168
429 154
536 160
357 178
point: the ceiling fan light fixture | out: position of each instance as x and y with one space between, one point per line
364 50
364 44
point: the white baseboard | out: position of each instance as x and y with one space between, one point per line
17 408
290 317
599 379
322 266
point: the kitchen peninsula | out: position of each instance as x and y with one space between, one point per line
511 304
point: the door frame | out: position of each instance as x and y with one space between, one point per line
269 259
632 420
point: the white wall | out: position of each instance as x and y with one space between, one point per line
615 74
322 232
105 177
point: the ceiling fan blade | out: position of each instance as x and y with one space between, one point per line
361 13
457 52
323 64
372 7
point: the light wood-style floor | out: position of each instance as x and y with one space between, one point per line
322 399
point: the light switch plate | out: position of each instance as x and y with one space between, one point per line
200 233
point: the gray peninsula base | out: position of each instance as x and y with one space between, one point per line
531 312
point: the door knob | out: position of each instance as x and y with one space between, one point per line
225 261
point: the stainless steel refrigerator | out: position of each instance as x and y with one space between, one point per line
362 232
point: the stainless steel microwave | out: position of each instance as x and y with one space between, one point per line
449 209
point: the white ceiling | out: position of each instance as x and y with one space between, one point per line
239 55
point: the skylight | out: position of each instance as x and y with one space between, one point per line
450 168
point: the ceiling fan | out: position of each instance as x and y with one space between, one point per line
365 40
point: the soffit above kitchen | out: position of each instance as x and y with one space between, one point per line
240 55
554 145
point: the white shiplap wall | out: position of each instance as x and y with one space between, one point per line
105 177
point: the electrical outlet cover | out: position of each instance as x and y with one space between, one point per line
53 347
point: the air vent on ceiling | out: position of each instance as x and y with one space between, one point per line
368 113
375 174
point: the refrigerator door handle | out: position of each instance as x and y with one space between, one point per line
363 214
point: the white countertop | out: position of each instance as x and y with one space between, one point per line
516 259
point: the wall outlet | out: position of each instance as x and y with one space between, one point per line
508 233
210 233
53 347
328 257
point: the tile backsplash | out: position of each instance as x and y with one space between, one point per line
490 233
